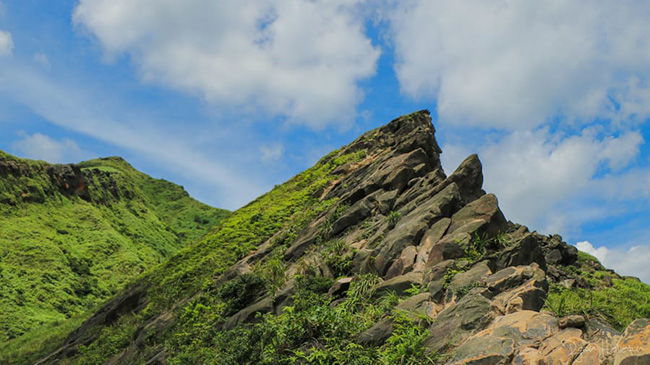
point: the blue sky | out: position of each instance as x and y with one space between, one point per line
231 98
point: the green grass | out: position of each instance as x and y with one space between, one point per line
620 304
61 256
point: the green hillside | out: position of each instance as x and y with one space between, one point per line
71 236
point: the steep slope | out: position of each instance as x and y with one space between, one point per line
71 236
374 255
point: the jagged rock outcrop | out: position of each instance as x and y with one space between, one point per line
483 280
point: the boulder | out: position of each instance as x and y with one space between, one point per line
485 208
528 356
377 334
339 288
634 347
563 347
527 328
572 321
470 278
458 321
398 284
353 215
484 350
447 249
408 232
403 264
523 252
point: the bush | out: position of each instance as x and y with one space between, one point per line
240 292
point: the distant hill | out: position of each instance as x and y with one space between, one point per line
372 256
72 235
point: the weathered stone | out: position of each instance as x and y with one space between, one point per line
436 278
486 208
403 264
469 177
442 204
361 260
523 252
408 232
399 284
634 346
558 252
248 314
417 306
572 321
413 302
528 356
527 328
339 287
590 354
471 278
512 277
529 296
284 297
457 322
563 347
445 250
377 334
386 201
353 215
306 238
431 237
603 334
484 351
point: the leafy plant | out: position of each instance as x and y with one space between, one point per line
240 291
392 218
406 346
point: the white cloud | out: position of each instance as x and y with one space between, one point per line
6 43
272 152
536 174
295 58
41 147
514 64
632 261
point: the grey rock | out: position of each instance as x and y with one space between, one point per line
377 334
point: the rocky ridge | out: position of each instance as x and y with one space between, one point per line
477 282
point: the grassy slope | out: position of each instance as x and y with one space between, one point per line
617 300
62 256
191 272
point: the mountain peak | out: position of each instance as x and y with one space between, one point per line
373 250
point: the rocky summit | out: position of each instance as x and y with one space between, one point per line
374 255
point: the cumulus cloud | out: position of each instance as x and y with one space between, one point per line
42 147
293 58
6 43
514 64
631 261
535 173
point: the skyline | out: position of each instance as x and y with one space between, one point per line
230 99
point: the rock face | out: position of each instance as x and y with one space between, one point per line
482 281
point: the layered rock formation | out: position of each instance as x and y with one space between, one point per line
481 281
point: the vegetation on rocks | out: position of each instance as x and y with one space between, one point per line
372 256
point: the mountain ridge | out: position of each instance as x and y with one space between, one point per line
71 235
374 255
